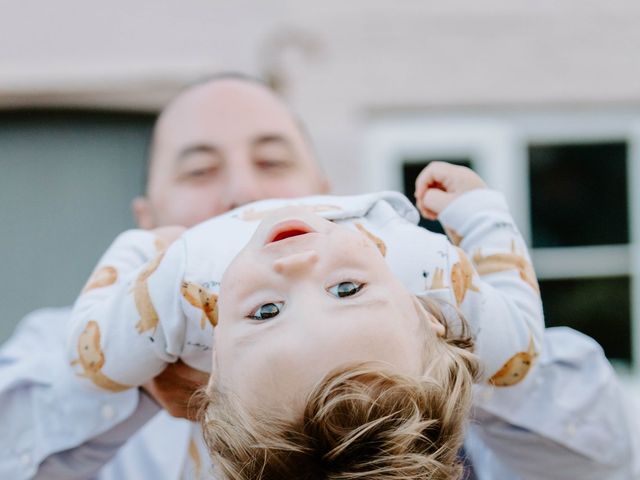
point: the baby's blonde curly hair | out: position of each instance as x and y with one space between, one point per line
362 421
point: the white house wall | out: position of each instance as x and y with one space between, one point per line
374 56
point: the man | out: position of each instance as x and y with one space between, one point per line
221 144
217 146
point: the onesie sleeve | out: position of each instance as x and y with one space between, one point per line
493 283
129 320
483 273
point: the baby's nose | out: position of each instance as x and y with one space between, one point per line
296 263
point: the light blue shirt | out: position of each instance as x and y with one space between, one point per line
566 420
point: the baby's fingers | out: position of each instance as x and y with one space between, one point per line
433 202
436 174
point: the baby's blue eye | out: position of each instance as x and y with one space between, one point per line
345 289
266 311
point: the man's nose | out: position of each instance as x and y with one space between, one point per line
296 263
243 187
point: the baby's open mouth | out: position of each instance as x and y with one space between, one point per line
288 229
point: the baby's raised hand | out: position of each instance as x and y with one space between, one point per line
440 183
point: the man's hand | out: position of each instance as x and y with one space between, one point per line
440 183
174 389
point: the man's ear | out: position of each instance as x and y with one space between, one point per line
142 212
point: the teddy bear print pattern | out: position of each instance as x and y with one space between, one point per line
382 247
461 281
91 359
148 314
507 261
201 298
102 277
90 354
461 278
144 305
517 367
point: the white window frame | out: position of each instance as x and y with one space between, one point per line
496 143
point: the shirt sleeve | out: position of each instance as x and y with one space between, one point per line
128 322
563 413
569 420
492 281
52 426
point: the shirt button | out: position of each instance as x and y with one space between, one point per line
107 412
570 429
25 459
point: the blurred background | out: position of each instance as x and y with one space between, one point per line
541 98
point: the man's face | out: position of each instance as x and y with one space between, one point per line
221 145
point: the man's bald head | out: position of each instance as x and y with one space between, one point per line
222 143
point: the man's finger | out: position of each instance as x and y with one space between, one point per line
173 389
185 370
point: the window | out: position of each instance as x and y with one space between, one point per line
598 307
578 194
572 181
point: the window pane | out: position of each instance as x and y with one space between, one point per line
598 307
578 194
411 168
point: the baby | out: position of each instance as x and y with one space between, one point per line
338 350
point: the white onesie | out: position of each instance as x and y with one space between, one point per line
146 305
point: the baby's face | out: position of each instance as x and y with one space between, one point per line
304 297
